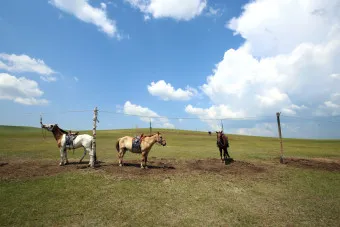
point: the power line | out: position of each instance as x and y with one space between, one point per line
185 118
59 112
311 119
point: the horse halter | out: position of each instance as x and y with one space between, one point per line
220 138
160 140
49 128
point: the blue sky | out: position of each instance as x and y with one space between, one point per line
237 60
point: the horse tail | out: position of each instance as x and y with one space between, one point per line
117 145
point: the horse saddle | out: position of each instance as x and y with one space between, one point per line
136 141
70 137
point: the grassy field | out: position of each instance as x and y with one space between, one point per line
186 184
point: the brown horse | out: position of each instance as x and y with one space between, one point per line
126 143
222 144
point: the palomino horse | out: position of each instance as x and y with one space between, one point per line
222 144
83 140
125 143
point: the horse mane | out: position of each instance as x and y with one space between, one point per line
62 130
149 135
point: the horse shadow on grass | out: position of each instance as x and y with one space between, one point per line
137 165
3 163
84 164
228 161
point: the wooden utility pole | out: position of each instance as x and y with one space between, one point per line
41 125
95 120
280 135
150 127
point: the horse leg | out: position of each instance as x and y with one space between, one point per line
224 153
220 153
83 156
121 156
65 154
146 160
143 160
91 163
61 156
226 150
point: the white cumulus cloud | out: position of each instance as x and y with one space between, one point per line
212 115
167 92
282 65
176 9
23 63
103 5
20 90
82 10
278 27
157 120
265 129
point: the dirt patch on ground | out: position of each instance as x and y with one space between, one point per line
28 169
162 167
317 163
131 168
231 167
158 167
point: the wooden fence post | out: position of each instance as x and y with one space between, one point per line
280 135
95 120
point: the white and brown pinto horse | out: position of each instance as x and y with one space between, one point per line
83 140
124 144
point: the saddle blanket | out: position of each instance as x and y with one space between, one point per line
136 141
69 140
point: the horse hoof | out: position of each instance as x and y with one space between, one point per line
61 164
120 165
146 167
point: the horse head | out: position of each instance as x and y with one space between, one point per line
220 137
48 127
160 139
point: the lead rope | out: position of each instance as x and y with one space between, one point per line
42 133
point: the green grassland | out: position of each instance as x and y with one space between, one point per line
278 195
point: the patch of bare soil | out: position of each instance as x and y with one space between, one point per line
131 169
19 169
317 163
31 169
230 167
